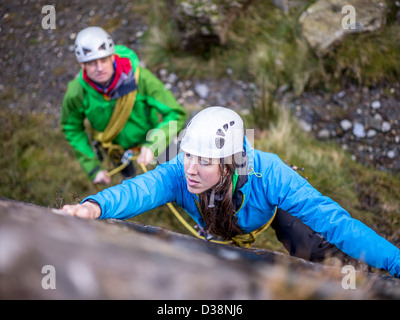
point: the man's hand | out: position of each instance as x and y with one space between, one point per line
146 156
86 210
102 177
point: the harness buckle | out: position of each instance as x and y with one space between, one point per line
127 156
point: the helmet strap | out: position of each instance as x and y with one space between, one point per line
211 204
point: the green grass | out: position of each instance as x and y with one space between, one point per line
366 58
37 164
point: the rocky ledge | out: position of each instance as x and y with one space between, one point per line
47 255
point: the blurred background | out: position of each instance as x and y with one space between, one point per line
319 84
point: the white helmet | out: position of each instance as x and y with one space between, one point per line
93 43
214 132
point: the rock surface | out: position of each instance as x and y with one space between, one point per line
204 22
326 22
46 255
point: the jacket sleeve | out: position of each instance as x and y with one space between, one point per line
289 191
72 124
142 193
161 100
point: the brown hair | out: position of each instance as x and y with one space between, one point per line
220 220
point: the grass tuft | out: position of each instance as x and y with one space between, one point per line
37 164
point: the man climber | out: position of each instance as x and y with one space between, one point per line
126 106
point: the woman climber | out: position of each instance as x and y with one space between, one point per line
233 191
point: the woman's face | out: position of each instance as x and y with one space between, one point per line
201 173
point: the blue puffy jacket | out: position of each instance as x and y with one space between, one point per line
271 183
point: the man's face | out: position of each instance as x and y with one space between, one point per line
100 70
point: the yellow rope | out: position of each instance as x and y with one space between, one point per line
122 111
247 240
121 167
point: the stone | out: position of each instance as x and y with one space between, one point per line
201 23
376 104
324 25
371 133
345 124
391 154
376 122
202 90
172 78
359 130
323 134
305 126
386 126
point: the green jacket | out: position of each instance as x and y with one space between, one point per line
154 107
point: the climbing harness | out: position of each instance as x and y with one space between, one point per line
240 240
247 240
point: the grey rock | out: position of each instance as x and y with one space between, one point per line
391 154
345 124
113 259
305 126
323 134
386 126
202 90
172 78
376 122
322 23
371 133
204 22
376 104
359 130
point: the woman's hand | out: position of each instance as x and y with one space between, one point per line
86 210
